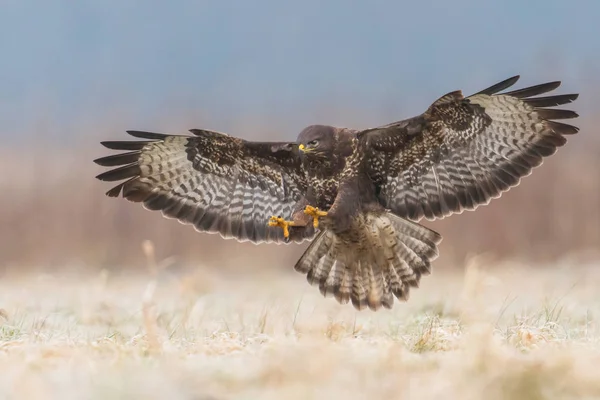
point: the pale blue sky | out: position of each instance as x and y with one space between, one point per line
272 60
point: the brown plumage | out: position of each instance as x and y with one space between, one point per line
370 187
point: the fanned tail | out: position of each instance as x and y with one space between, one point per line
390 258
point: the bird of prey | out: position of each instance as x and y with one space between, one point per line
357 194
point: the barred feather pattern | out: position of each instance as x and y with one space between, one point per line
463 152
380 258
215 182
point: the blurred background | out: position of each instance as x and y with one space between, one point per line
75 73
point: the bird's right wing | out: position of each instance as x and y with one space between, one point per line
218 183
464 151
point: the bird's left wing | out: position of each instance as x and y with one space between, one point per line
462 152
216 182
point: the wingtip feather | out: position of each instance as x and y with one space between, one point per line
500 85
534 90
551 101
114 192
147 135
117 174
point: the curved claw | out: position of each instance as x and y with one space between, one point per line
278 221
315 213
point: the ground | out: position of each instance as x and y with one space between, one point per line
504 331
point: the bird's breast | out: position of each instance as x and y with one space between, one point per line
325 191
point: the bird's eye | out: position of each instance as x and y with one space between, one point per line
313 143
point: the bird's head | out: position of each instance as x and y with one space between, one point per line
316 141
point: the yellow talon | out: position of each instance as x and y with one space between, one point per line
315 213
278 221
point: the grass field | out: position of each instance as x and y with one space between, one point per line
505 331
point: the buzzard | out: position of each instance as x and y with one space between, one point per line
357 194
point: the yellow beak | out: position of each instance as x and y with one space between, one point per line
304 149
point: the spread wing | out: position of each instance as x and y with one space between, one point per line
462 152
218 183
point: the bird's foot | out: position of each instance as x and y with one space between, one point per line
315 213
285 225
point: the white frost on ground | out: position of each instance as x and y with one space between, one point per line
503 332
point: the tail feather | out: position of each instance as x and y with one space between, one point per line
359 293
390 258
388 296
374 274
332 283
343 292
315 251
